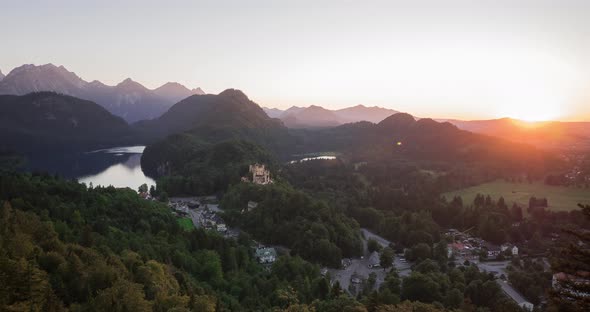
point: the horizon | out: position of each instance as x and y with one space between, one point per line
521 122
467 61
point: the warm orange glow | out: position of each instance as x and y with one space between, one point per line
530 124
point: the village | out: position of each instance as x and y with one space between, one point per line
355 274
204 212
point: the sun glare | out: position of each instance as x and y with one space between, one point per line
532 96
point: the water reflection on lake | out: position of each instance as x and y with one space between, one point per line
119 167
125 174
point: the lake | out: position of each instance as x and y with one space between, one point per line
117 166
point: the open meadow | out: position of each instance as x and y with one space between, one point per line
186 223
559 197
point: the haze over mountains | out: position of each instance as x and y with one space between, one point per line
134 102
319 117
549 134
128 99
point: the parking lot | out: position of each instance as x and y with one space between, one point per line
358 269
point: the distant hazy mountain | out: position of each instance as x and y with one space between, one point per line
1 75
47 120
175 91
317 117
128 99
373 114
273 112
292 109
310 117
551 134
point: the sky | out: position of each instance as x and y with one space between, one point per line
445 59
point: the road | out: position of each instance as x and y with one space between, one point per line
403 268
368 235
360 266
196 217
512 293
499 268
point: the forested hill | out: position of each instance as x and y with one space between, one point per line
213 139
213 117
47 120
400 136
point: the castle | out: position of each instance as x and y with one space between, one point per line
260 175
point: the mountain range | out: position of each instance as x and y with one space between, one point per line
44 120
319 117
134 102
549 134
402 137
128 99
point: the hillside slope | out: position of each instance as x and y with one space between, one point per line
46 120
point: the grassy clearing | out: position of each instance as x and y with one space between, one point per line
559 197
185 223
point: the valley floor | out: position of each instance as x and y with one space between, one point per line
559 197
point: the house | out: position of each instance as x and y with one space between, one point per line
266 255
512 248
260 175
493 250
456 249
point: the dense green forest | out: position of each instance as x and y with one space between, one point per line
67 247
310 228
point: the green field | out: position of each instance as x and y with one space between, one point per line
185 223
559 197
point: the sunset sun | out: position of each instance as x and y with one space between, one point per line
533 112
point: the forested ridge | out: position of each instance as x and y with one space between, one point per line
311 228
67 247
